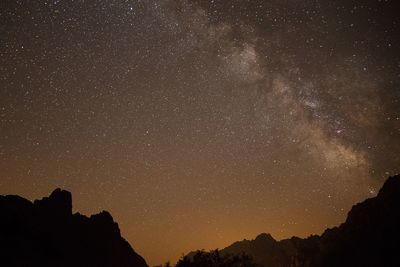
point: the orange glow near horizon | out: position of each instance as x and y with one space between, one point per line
199 123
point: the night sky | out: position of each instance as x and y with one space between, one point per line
200 123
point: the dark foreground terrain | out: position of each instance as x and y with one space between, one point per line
46 233
370 236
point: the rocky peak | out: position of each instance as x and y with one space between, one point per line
391 188
46 233
59 203
265 238
369 237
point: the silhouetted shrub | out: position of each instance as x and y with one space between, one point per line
215 259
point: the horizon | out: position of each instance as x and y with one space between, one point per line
199 123
209 248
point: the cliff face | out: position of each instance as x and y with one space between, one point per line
370 236
47 233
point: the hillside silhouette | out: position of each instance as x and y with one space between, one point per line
370 236
47 233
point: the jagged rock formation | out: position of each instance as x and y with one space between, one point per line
47 233
370 236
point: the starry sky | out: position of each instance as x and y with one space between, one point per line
198 123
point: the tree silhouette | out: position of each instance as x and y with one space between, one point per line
215 259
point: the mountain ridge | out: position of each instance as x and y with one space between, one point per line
46 232
368 237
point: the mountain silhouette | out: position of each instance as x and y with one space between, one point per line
47 233
370 236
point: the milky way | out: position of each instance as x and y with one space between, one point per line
200 123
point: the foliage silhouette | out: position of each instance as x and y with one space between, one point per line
215 259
